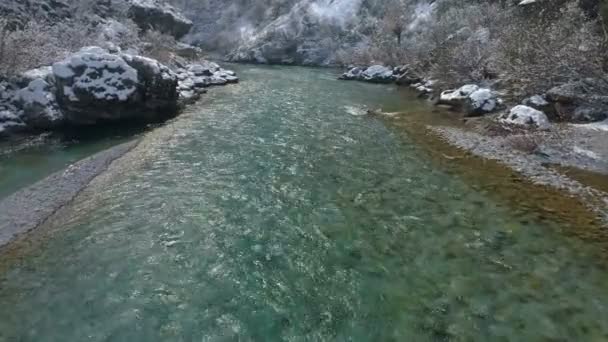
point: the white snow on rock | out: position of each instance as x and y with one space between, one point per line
94 71
44 73
471 99
526 116
483 100
6 115
9 121
153 66
459 94
536 100
378 73
40 108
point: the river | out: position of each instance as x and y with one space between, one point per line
273 211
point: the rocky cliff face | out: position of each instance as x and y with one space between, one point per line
308 32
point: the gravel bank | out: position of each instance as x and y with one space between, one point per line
532 166
29 208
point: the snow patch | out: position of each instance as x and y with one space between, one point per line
93 71
586 153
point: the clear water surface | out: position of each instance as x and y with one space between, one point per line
270 212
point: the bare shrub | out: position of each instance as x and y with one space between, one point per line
36 44
544 52
124 34
460 43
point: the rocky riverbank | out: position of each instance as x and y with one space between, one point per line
96 85
564 128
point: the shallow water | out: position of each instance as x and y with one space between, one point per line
274 211
25 161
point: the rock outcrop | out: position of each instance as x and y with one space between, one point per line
159 15
94 86
527 117
582 101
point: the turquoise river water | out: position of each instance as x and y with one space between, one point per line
272 211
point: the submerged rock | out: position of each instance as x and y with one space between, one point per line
526 117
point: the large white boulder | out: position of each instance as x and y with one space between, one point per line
525 116
482 101
94 85
460 94
378 74
352 74
471 99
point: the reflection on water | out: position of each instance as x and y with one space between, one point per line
271 213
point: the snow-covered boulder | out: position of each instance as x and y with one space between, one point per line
481 102
40 109
526 117
536 102
45 73
157 84
10 122
352 74
159 15
454 97
539 102
471 99
207 74
94 85
204 69
378 74
228 75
